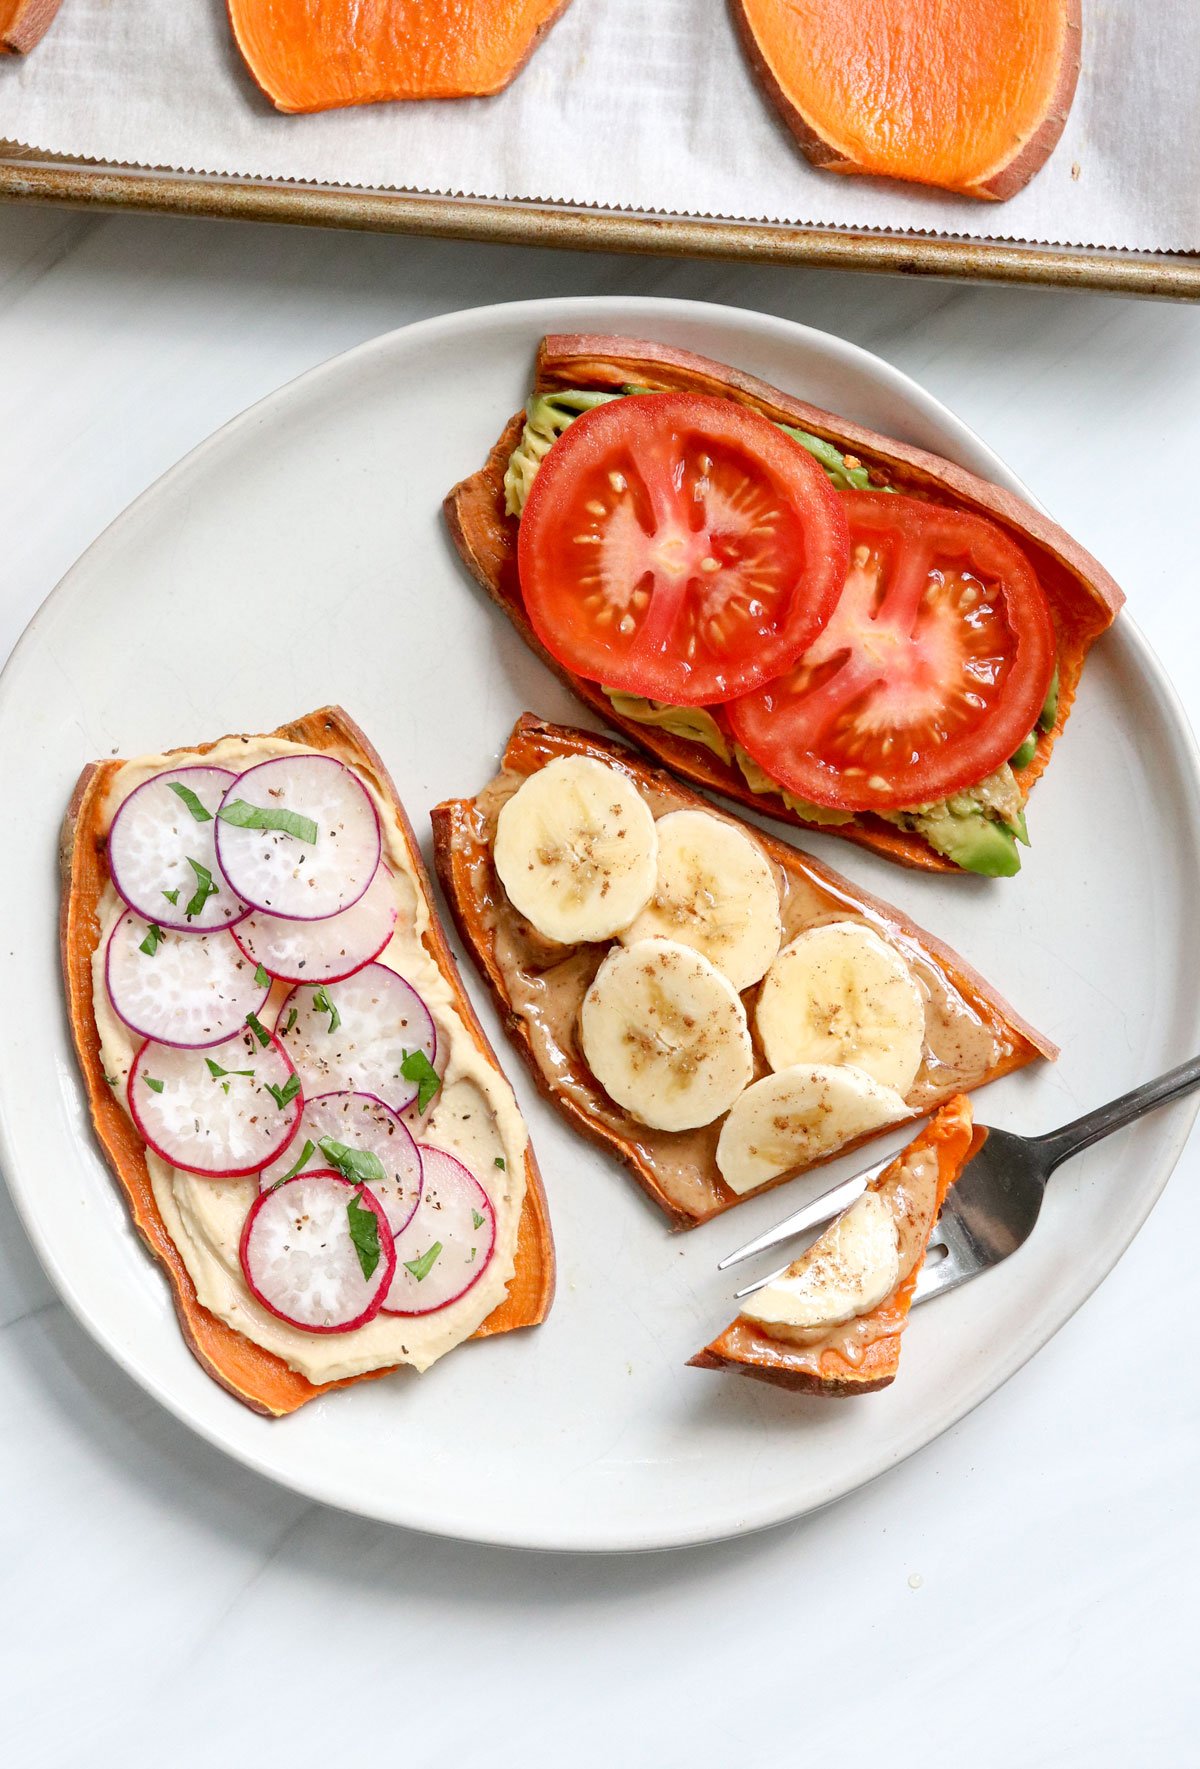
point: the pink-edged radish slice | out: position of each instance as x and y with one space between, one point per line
323 951
162 851
355 1036
220 1112
191 989
448 1243
317 1251
298 837
362 1125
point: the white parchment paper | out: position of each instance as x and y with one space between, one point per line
639 104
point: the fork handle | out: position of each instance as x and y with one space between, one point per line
1059 1145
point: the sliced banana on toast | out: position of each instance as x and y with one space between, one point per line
665 1034
713 891
799 1116
851 1269
576 850
838 993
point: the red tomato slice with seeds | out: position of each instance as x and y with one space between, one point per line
680 547
929 674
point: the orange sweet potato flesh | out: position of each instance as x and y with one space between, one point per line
315 55
971 95
1083 598
23 23
746 1350
254 1376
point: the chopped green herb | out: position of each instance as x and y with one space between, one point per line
172 896
205 888
224 1087
217 1072
417 1067
476 1219
283 1096
261 978
112 1080
152 941
306 1155
499 1162
151 1083
474 1251
259 1030
244 816
421 1268
359 1165
364 1232
190 800
291 1019
322 1004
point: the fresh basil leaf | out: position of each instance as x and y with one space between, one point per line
259 1030
417 1067
151 1083
205 888
190 800
322 1004
476 1219
172 896
217 1072
421 1268
360 1165
152 941
306 1155
261 978
364 1232
244 816
283 1096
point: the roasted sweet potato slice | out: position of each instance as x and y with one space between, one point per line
23 23
257 1377
315 55
538 989
748 1350
971 95
1083 598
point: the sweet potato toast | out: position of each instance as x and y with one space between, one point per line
972 97
23 24
1084 600
748 1350
677 1170
254 1376
316 55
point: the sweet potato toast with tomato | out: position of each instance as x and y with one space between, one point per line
255 1376
1081 599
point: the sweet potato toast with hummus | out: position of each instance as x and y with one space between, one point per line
965 1037
838 1351
243 1341
973 821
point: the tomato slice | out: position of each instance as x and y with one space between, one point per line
680 547
931 671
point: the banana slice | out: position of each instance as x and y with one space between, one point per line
665 1034
576 850
840 994
714 892
799 1115
847 1272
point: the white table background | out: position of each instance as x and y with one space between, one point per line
1023 1591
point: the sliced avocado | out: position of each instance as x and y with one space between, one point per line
975 843
1022 757
1049 712
758 780
843 476
690 722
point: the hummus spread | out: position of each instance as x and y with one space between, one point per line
474 1116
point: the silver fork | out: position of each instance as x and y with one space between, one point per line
992 1208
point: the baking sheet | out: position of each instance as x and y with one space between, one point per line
626 105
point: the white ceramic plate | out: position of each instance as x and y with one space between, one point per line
299 557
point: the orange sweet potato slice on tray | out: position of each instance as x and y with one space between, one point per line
315 55
254 1376
748 1350
971 95
23 24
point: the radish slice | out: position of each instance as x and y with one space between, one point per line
364 1124
447 1245
323 951
161 854
190 989
213 1112
355 1035
305 876
300 1257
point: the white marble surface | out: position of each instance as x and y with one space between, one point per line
1022 1591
